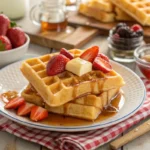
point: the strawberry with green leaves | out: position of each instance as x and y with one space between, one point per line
5 43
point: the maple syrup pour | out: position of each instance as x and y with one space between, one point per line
110 111
7 96
60 26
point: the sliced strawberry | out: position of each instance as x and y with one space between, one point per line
102 65
38 113
57 64
103 56
63 51
24 109
90 53
15 103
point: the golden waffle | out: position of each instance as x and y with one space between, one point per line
86 107
76 110
103 5
66 84
90 11
31 96
70 2
121 15
138 9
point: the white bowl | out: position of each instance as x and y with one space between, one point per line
10 56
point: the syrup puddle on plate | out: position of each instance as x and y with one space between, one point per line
60 120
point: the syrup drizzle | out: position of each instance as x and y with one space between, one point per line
110 111
8 96
60 120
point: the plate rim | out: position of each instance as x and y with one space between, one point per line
83 127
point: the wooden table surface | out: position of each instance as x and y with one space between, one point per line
10 142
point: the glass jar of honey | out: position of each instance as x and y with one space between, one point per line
50 15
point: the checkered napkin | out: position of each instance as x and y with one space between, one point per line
77 141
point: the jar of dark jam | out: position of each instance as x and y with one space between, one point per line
123 40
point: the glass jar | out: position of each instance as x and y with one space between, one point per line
50 15
14 9
143 65
122 49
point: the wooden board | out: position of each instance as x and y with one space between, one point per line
79 19
69 39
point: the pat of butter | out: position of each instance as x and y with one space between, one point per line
79 66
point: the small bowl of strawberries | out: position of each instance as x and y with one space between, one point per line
13 41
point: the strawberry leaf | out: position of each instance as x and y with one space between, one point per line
2 46
13 24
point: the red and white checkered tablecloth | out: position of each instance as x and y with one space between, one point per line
88 140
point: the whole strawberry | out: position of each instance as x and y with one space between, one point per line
4 24
16 36
5 43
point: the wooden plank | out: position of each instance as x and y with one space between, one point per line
73 40
81 36
131 135
141 143
11 142
26 145
7 141
99 41
105 147
44 148
70 38
78 19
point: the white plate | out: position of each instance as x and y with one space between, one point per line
134 90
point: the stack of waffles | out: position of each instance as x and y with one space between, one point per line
111 10
103 10
100 10
66 93
137 9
